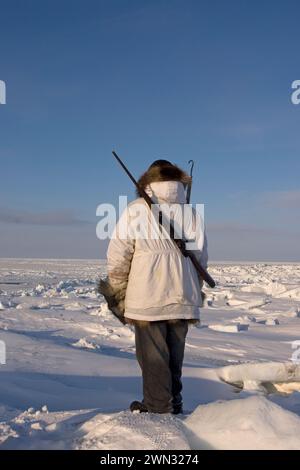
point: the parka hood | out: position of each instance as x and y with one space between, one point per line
168 172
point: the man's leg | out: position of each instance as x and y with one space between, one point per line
176 334
153 356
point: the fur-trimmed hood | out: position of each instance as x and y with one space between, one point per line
156 174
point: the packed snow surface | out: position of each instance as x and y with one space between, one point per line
71 372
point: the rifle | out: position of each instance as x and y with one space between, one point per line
180 243
189 188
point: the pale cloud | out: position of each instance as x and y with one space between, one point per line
237 227
246 242
241 229
289 199
56 218
50 241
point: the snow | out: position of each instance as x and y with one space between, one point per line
252 423
84 343
71 371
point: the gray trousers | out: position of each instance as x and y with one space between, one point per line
160 351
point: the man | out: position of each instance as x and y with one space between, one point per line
160 287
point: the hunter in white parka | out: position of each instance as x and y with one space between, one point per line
158 282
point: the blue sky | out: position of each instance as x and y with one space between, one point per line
202 79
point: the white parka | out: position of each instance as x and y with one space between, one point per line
160 282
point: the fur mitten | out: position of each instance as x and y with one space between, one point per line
114 298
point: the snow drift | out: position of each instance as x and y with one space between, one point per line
246 424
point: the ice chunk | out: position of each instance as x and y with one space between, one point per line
272 321
229 328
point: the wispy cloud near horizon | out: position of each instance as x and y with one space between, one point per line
289 199
54 218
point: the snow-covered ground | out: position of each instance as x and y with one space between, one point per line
71 372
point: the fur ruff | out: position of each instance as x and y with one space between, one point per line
163 173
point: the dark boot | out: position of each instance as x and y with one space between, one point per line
177 409
141 407
138 406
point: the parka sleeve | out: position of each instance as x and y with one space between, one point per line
119 254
